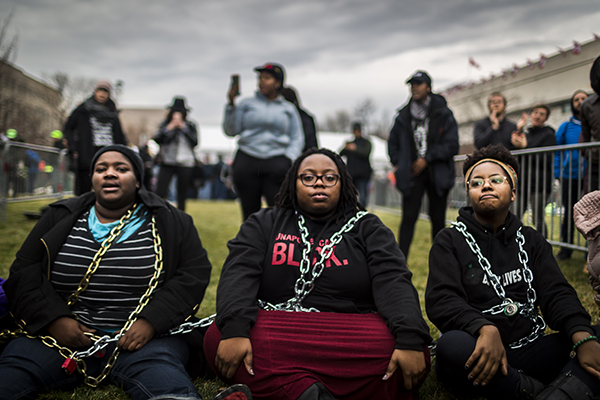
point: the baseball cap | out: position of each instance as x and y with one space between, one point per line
274 69
420 77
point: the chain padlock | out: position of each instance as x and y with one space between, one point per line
69 366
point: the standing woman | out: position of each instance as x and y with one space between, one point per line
177 138
271 138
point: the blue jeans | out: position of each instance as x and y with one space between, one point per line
362 185
27 367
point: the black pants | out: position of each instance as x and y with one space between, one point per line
165 174
544 360
256 177
570 190
411 205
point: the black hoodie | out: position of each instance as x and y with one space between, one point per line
366 273
456 293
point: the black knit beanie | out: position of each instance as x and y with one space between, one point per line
136 160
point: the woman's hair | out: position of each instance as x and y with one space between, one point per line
495 152
170 115
576 114
286 198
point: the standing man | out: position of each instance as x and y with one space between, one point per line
536 169
496 128
421 146
91 126
357 154
590 128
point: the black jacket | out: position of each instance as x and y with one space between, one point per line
537 171
33 299
456 293
359 166
366 273
78 131
310 129
484 134
442 146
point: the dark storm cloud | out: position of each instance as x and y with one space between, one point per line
160 48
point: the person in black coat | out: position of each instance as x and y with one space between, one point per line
357 154
157 247
489 278
308 121
421 146
91 126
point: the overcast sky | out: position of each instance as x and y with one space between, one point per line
335 52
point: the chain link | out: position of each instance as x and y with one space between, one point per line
303 287
528 310
114 233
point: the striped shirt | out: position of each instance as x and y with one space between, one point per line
120 280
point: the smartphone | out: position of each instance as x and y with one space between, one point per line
235 83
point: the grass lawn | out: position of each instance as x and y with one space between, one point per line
217 222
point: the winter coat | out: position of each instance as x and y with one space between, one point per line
442 146
458 289
78 129
366 273
267 128
359 166
33 299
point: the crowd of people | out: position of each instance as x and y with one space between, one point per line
315 299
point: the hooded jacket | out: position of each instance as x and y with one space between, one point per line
457 289
78 129
33 299
442 146
366 273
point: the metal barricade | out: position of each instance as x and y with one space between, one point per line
543 201
31 172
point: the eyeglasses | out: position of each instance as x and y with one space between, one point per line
310 180
496 180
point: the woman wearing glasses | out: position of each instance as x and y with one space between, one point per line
318 250
488 277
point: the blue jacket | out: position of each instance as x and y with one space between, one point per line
442 146
267 128
568 133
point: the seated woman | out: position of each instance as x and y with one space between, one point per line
318 250
488 274
115 259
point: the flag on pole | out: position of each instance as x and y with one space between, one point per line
576 47
542 61
474 63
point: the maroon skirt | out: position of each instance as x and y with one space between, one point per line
348 353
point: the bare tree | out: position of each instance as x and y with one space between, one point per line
8 47
73 90
340 122
364 111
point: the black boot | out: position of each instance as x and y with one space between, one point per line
566 387
528 388
316 391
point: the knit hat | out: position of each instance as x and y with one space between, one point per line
136 160
103 84
586 213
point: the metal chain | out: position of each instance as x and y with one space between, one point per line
528 310
101 342
114 233
303 287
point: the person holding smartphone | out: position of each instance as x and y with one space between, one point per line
270 138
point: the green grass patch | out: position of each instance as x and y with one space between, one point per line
218 222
